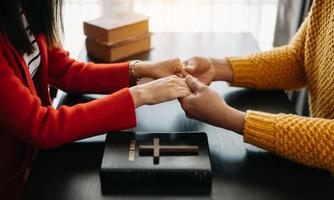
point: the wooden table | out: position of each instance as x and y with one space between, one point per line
241 171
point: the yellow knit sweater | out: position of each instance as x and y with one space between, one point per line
307 61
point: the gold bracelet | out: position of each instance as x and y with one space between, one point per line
133 79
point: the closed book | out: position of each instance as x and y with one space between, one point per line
117 28
177 163
111 52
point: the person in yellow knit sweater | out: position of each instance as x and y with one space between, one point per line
307 61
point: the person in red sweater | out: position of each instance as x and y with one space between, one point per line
31 58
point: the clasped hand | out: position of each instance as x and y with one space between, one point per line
188 82
170 83
174 80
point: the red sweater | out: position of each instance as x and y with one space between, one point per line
28 122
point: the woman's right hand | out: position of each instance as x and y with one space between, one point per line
160 90
201 68
207 70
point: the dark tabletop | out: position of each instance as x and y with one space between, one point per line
241 171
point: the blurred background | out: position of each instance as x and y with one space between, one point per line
255 16
271 22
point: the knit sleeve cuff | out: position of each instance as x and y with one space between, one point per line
244 72
259 129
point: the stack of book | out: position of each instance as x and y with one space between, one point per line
114 38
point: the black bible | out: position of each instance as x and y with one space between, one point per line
156 163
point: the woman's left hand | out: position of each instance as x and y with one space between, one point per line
158 91
160 69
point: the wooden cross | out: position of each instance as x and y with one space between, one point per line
158 149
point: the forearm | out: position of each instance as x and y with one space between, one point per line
23 114
72 76
233 119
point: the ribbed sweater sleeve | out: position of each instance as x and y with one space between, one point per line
306 140
279 68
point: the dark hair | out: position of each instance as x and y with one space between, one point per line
44 17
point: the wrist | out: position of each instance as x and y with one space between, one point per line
223 70
235 121
136 96
142 69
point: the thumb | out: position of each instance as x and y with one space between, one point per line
193 84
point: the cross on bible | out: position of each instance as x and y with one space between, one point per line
157 150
